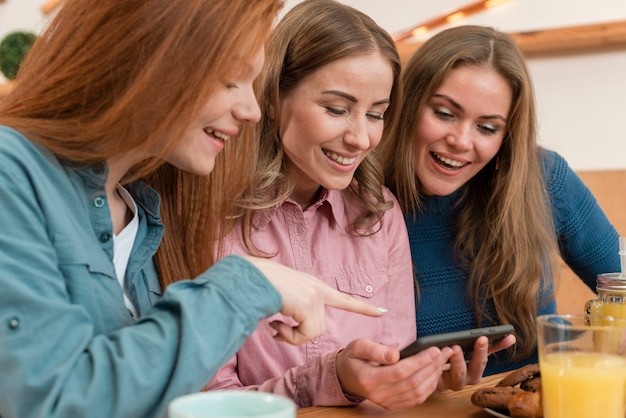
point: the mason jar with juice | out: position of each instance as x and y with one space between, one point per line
611 300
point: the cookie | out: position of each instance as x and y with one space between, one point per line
518 376
495 397
532 385
525 404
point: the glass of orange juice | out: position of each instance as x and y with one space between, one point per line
583 366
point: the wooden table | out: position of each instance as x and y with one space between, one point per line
449 404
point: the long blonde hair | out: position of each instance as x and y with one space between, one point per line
110 76
505 234
311 35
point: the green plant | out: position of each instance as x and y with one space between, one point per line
13 48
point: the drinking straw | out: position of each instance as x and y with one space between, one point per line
622 254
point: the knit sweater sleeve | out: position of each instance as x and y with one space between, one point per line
588 242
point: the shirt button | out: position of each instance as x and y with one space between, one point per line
98 202
105 237
369 288
14 323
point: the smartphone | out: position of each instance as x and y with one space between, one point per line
465 339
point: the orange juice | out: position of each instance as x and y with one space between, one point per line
611 300
602 308
583 385
612 314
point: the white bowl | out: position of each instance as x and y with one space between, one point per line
232 404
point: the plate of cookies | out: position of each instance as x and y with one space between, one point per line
518 394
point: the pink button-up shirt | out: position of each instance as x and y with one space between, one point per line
375 268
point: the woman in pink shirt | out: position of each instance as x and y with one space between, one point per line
317 204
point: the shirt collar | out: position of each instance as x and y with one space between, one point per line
95 177
331 198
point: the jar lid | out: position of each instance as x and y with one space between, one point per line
612 282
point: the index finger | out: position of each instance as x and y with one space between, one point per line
346 302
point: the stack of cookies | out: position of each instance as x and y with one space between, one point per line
518 393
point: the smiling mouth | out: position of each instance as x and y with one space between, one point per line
217 134
447 163
338 158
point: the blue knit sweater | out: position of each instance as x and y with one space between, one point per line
588 243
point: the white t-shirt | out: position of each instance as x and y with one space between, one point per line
122 246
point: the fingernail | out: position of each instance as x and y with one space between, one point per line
383 310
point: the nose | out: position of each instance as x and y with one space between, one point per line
460 138
248 108
357 135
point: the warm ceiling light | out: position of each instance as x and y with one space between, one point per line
419 31
454 16
493 3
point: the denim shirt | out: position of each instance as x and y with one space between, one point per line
68 345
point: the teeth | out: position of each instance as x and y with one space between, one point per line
217 134
338 158
448 161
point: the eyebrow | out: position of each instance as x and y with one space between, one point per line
351 97
459 107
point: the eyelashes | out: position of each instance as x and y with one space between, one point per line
486 128
342 112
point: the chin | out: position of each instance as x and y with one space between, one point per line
204 170
337 186
204 166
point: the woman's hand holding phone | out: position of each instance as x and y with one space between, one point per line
462 372
470 351
373 371
465 339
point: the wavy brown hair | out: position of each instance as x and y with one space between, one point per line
505 233
111 76
311 35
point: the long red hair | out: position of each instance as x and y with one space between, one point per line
111 76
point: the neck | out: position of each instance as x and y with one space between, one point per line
306 198
121 214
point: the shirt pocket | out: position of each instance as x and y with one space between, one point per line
364 281
91 282
74 251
